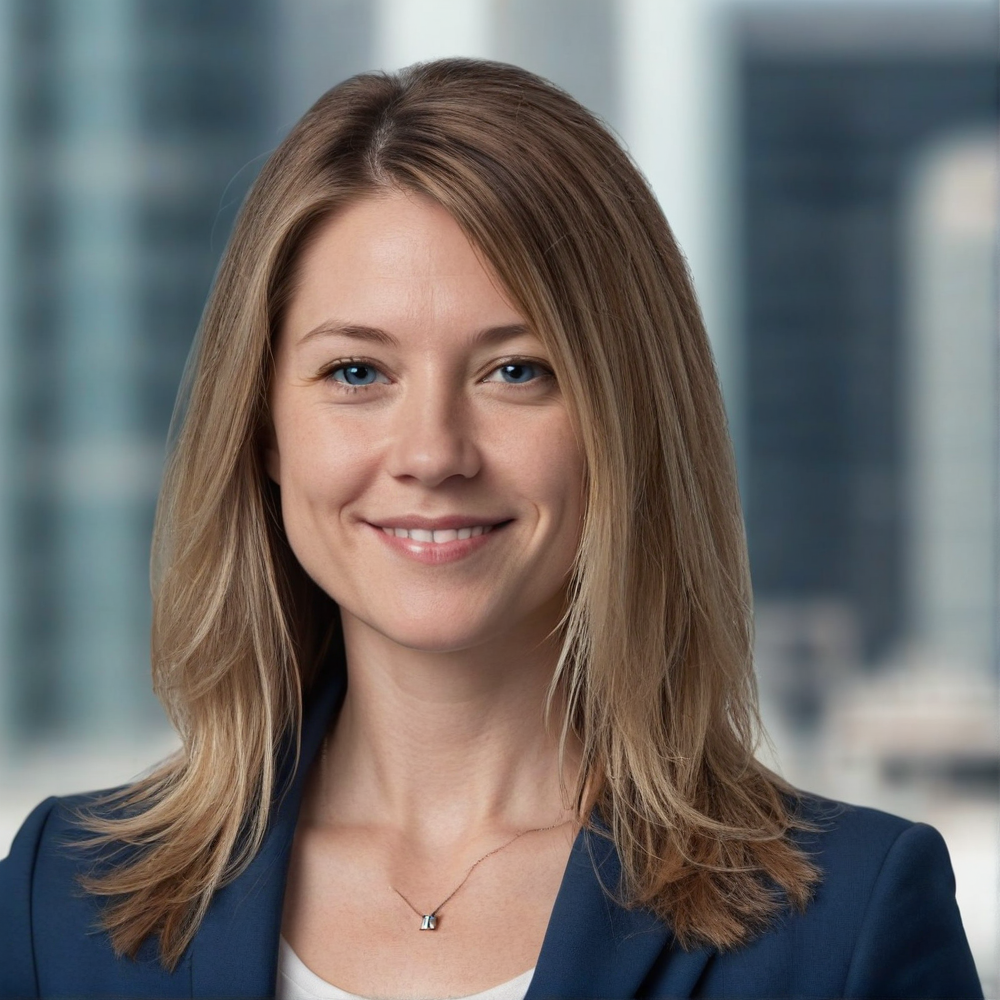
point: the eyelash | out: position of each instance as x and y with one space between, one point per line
326 374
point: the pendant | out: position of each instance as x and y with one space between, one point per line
429 922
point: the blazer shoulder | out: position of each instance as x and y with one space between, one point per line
889 883
851 845
38 880
17 870
883 921
844 820
911 940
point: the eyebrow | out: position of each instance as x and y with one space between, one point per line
487 337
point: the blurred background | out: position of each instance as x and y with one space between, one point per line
831 171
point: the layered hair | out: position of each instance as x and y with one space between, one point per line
656 656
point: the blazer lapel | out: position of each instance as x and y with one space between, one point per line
235 951
595 948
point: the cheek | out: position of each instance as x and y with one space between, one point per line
319 456
549 467
558 462
321 470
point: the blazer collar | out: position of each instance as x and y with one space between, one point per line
235 951
592 947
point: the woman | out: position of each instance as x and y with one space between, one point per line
452 612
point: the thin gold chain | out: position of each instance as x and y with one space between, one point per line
496 850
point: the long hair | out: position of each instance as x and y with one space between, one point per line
656 655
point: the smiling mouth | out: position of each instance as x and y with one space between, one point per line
442 535
438 546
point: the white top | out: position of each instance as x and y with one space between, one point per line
296 981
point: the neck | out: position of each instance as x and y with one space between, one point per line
447 744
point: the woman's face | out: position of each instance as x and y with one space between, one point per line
410 397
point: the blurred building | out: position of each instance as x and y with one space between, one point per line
839 109
125 123
869 458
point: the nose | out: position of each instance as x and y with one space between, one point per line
433 434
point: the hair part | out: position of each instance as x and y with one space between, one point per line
657 641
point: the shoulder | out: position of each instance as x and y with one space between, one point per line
49 927
17 893
883 921
17 975
868 857
852 840
52 828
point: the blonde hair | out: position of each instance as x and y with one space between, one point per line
657 641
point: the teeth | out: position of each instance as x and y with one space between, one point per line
438 537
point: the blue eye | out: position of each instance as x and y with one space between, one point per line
360 373
518 372
523 373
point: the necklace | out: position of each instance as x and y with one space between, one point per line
428 921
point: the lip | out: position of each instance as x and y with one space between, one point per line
409 521
436 553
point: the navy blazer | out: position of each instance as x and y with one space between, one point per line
884 922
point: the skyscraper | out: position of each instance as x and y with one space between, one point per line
125 119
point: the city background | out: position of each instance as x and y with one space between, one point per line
831 171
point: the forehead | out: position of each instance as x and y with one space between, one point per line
391 259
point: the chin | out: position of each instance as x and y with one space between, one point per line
438 628
434 636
